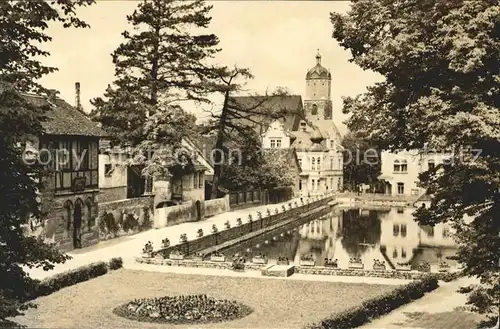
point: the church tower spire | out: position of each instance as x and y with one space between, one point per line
318 58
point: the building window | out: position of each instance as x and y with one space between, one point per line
397 166
300 184
313 163
273 143
395 253
300 163
331 163
332 143
446 232
314 110
404 166
395 229
431 165
108 170
403 230
201 181
278 143
403 253
414 191
331 183
319 164
83 151
401 210
312 184
401 188
339 185
340 163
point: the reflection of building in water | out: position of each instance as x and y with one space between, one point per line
404 240
319 237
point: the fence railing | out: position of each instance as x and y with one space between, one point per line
247 197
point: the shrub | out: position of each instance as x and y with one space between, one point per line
115 263
72 277
378 306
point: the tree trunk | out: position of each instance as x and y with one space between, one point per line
218 147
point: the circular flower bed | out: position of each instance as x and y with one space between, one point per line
182 310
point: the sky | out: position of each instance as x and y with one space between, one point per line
276 40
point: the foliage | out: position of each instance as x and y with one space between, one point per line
440 64
235 122
379 306
255 168
21 38
182 309
69 278
361 162
115 263
162 63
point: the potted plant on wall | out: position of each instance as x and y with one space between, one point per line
165 243
356 263
331 263
283 209
307 260
239 222
378 265
199 233
227 225
424 267
276 211
147 251
183 238
268 212
259 259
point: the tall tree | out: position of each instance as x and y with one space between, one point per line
236 121
22 25
162 62
440 63
361 162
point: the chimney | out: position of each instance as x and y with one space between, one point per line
77 95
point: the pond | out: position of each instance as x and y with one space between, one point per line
389 235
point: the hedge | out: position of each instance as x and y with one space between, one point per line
72 277
378 306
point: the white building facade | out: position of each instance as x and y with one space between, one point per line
400 170
317 140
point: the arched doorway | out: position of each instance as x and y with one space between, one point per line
77 224
198 210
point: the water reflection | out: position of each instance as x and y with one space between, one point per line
391 235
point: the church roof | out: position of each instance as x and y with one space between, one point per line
318 71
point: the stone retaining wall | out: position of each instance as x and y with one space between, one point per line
224 235
314 270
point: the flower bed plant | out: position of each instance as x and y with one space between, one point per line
378 306
182 310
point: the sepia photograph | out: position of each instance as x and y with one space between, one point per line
258 164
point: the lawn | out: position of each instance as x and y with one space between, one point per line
276 303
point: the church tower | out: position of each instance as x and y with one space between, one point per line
318 103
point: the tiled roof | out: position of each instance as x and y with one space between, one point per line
64 119
292 104
303 140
